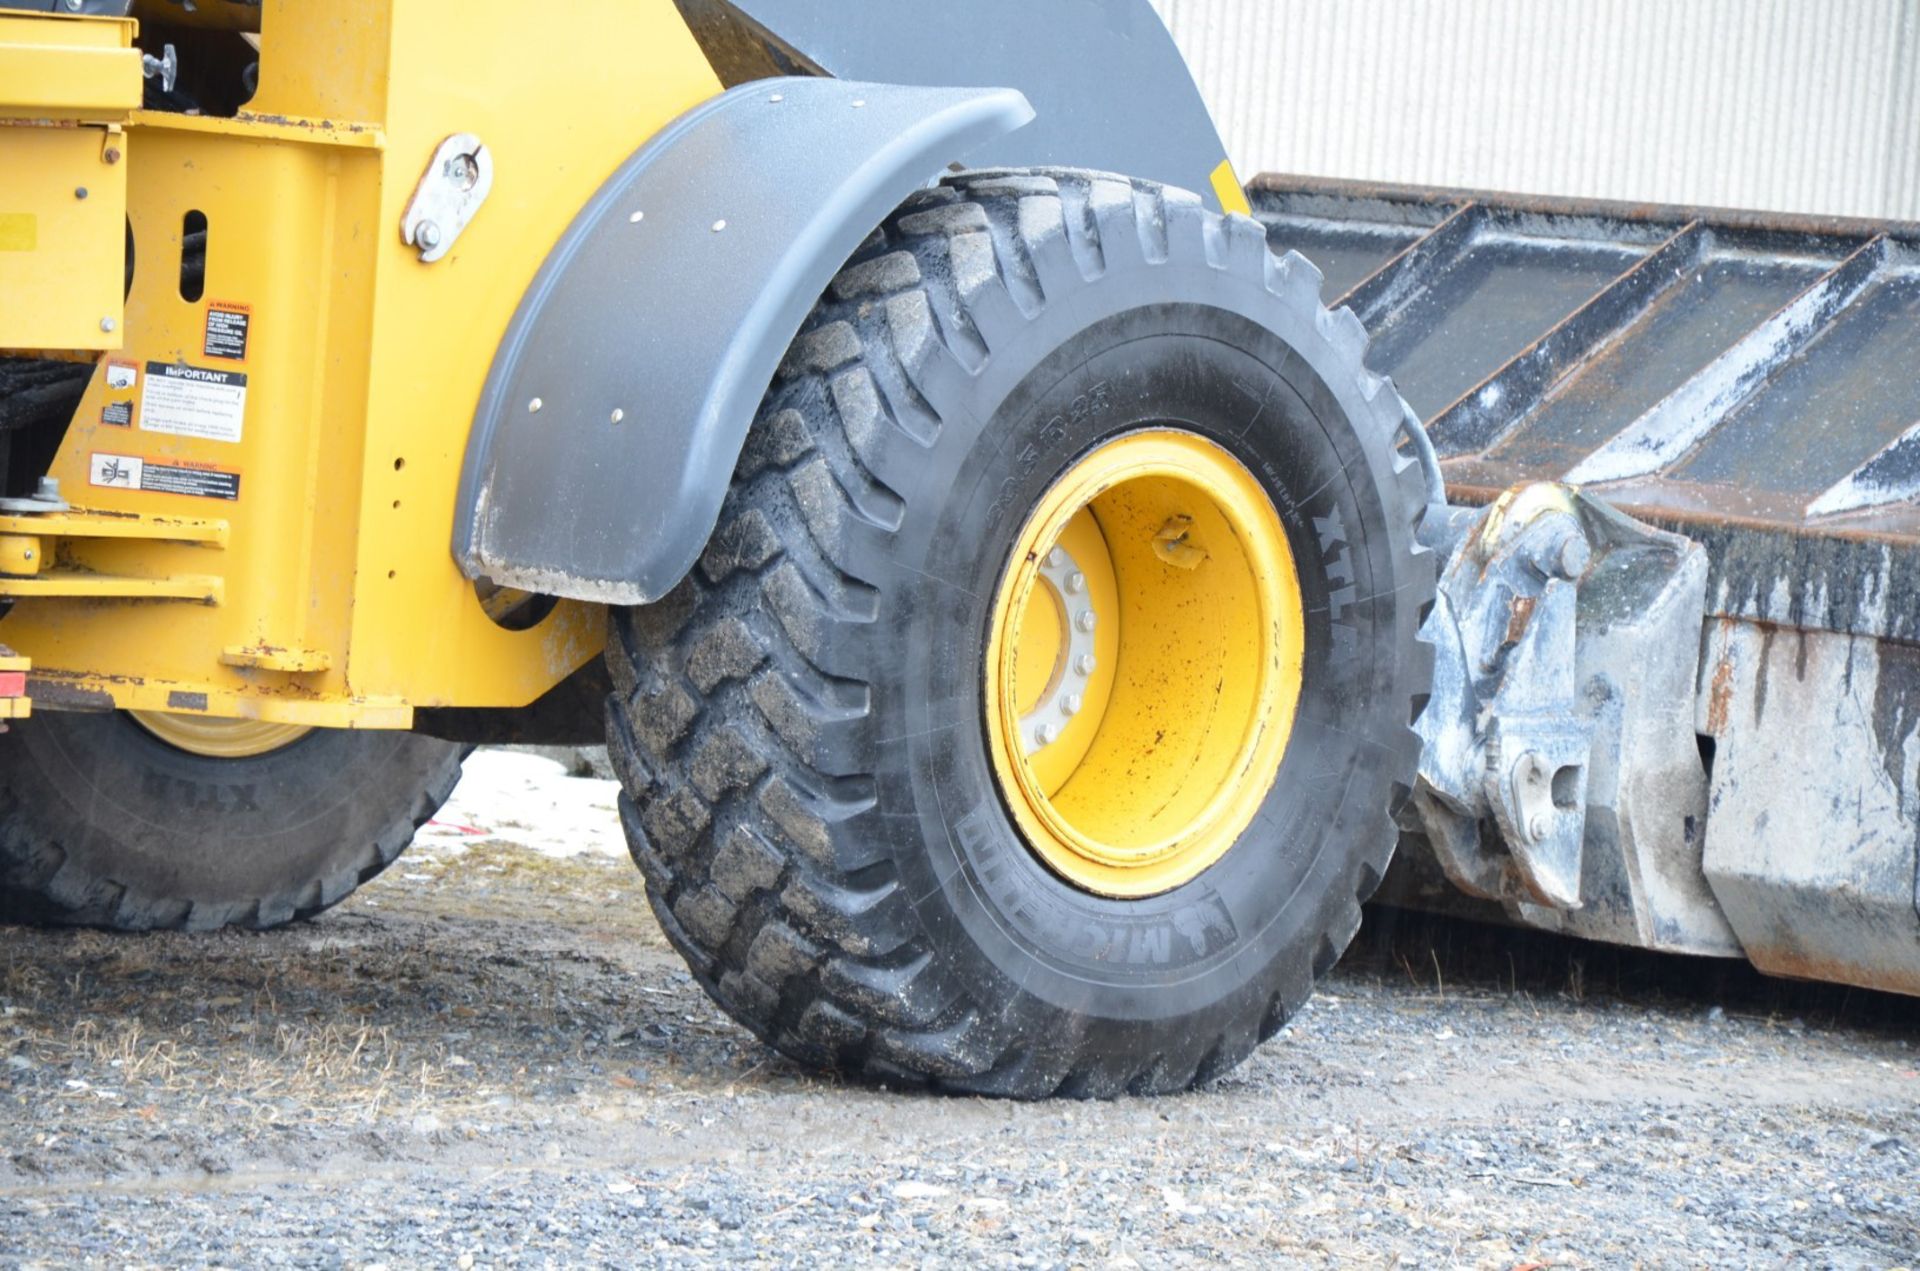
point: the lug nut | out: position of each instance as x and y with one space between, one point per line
1046 734
1084 664
1073 704
1076 583
1085 620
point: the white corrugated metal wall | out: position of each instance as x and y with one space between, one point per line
1790 105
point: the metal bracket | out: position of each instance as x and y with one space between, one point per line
1536 788
1559 772
450 192
1504 739
45 498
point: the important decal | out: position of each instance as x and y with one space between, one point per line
226 333
193 401
131 472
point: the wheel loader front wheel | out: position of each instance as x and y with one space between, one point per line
144 821
1034 720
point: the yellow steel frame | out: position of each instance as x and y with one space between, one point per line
326 592
67 69
66 88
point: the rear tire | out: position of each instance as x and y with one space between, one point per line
103 824
802 727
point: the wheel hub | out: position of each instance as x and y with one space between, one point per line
219 738
1143 663
1074 660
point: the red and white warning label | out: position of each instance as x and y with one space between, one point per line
193 401
131 472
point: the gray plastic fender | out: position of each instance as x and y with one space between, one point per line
623 389
1112 90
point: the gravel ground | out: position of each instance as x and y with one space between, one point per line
490 1057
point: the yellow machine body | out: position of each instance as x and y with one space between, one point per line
67 86
263 472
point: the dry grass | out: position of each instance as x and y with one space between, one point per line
321 1068
363 1013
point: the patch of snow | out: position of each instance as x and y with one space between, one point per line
528 800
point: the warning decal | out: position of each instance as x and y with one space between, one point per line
122 375
193 401
119 414
130 472
226 336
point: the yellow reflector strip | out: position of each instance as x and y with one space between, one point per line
1227 188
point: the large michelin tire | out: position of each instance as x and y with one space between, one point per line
823 733
104 823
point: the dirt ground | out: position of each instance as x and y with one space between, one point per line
489 1057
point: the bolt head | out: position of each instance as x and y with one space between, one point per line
1085 664
1539 826
1046 734
1076 583
107 324
1073 704
533 407
1575 556
80 192
463 171
427 234
1084 620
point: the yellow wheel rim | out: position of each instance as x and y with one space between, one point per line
1144 663
219 738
